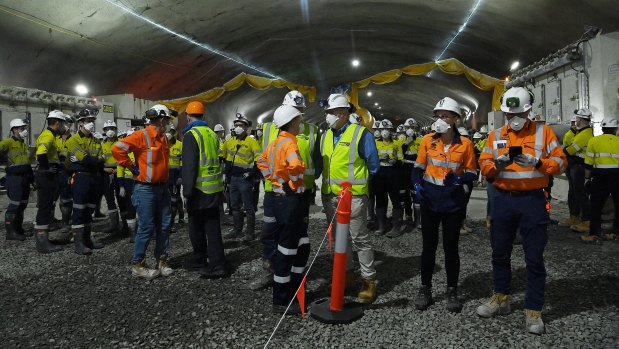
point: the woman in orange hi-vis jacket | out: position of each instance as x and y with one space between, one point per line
445 164
281 164
519 156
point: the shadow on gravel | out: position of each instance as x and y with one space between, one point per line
394 303
572 296
479 285
392 270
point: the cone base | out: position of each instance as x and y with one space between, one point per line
320 311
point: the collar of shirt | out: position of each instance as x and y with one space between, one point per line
83 135
194 124
288 135
155 136
15 138
52 131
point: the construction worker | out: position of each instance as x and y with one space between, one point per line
519 157
371 196
64 187
602 178
282 166
19 177
150 197
203 188
445 165
410 147
175 180
465 228
46 179
572 205
124 190
580 211
109 176
241 153
349 155
308 141
387 182
87 163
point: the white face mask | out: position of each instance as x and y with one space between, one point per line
441 126
301 128
331 119
238 130
23 134
90 127
384 134
410 132
401 137
517 123
110 133
377 134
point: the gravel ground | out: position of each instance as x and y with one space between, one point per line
64 300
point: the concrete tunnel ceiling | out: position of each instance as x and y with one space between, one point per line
307 42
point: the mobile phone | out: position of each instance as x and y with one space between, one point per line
514 151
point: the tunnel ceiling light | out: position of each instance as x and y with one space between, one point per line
355 63
369 93
81 89
514 66
460 30
380 107
207 47
376 104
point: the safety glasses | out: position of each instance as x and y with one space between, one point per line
88 112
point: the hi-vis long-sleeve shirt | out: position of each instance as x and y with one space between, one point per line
152 153
281 163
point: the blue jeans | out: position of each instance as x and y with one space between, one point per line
152 204
242 192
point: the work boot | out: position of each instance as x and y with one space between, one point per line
465 230
19 225
498 304
453 303
367 294
88 239
424 298
140 270
610 236
582 227
396 229
132 225
43 244
80 244
534 322
114 224
381 217
590 239
237 230
264 278
66 218
251 228
11 232
569 221
164 267
351 280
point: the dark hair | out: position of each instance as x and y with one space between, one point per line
285 127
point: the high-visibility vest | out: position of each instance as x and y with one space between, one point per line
535 139
392 149
342 163
281 163
242 153
80 147
106 147
176 152
411 150
437 163
481 144
210 179
578 147
603 152
46 144
123 172
16 151
61 145
305 142
568 138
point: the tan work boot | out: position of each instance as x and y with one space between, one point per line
140 270
590 238
497 304
610 236
569 221
350 279
164 267
488 222
534 322
582 227
367 294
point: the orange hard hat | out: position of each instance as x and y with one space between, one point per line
195 107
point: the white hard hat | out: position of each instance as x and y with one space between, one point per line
516 100
294 99
610 122
483 129
400 128
109 123
385 124
583 113
56 114
376 124
337 100
157 111
355 119
477 135
410 122
17 123
448 104
463 131
284 114
218 128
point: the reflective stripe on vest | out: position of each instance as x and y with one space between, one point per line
539 151
149 158
354 164
210 179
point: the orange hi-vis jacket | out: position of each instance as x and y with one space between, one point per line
437 163
535 139
152 153
281 162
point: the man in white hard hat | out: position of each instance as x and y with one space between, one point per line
109 178
19 176
349 155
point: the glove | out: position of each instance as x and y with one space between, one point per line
526 160
418 192
73 158
135 170
501 162
122 192
588 185
179 181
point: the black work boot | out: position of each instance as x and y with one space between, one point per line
237 230
424 298
381 217
43 244
453 303
11 232
251 228
396 230
114 224
79 242
264 278
88 239
66 218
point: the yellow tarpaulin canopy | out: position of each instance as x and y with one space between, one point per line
257 82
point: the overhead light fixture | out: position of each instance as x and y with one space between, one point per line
369 93
514 66
506 78
376 104
81 89
460 29
380 107
355 62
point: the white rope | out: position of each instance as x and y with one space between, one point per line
304 276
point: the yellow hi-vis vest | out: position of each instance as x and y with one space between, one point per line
176 151
210 179
579 143
342 163
305 142
603 152
106 147
17 152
